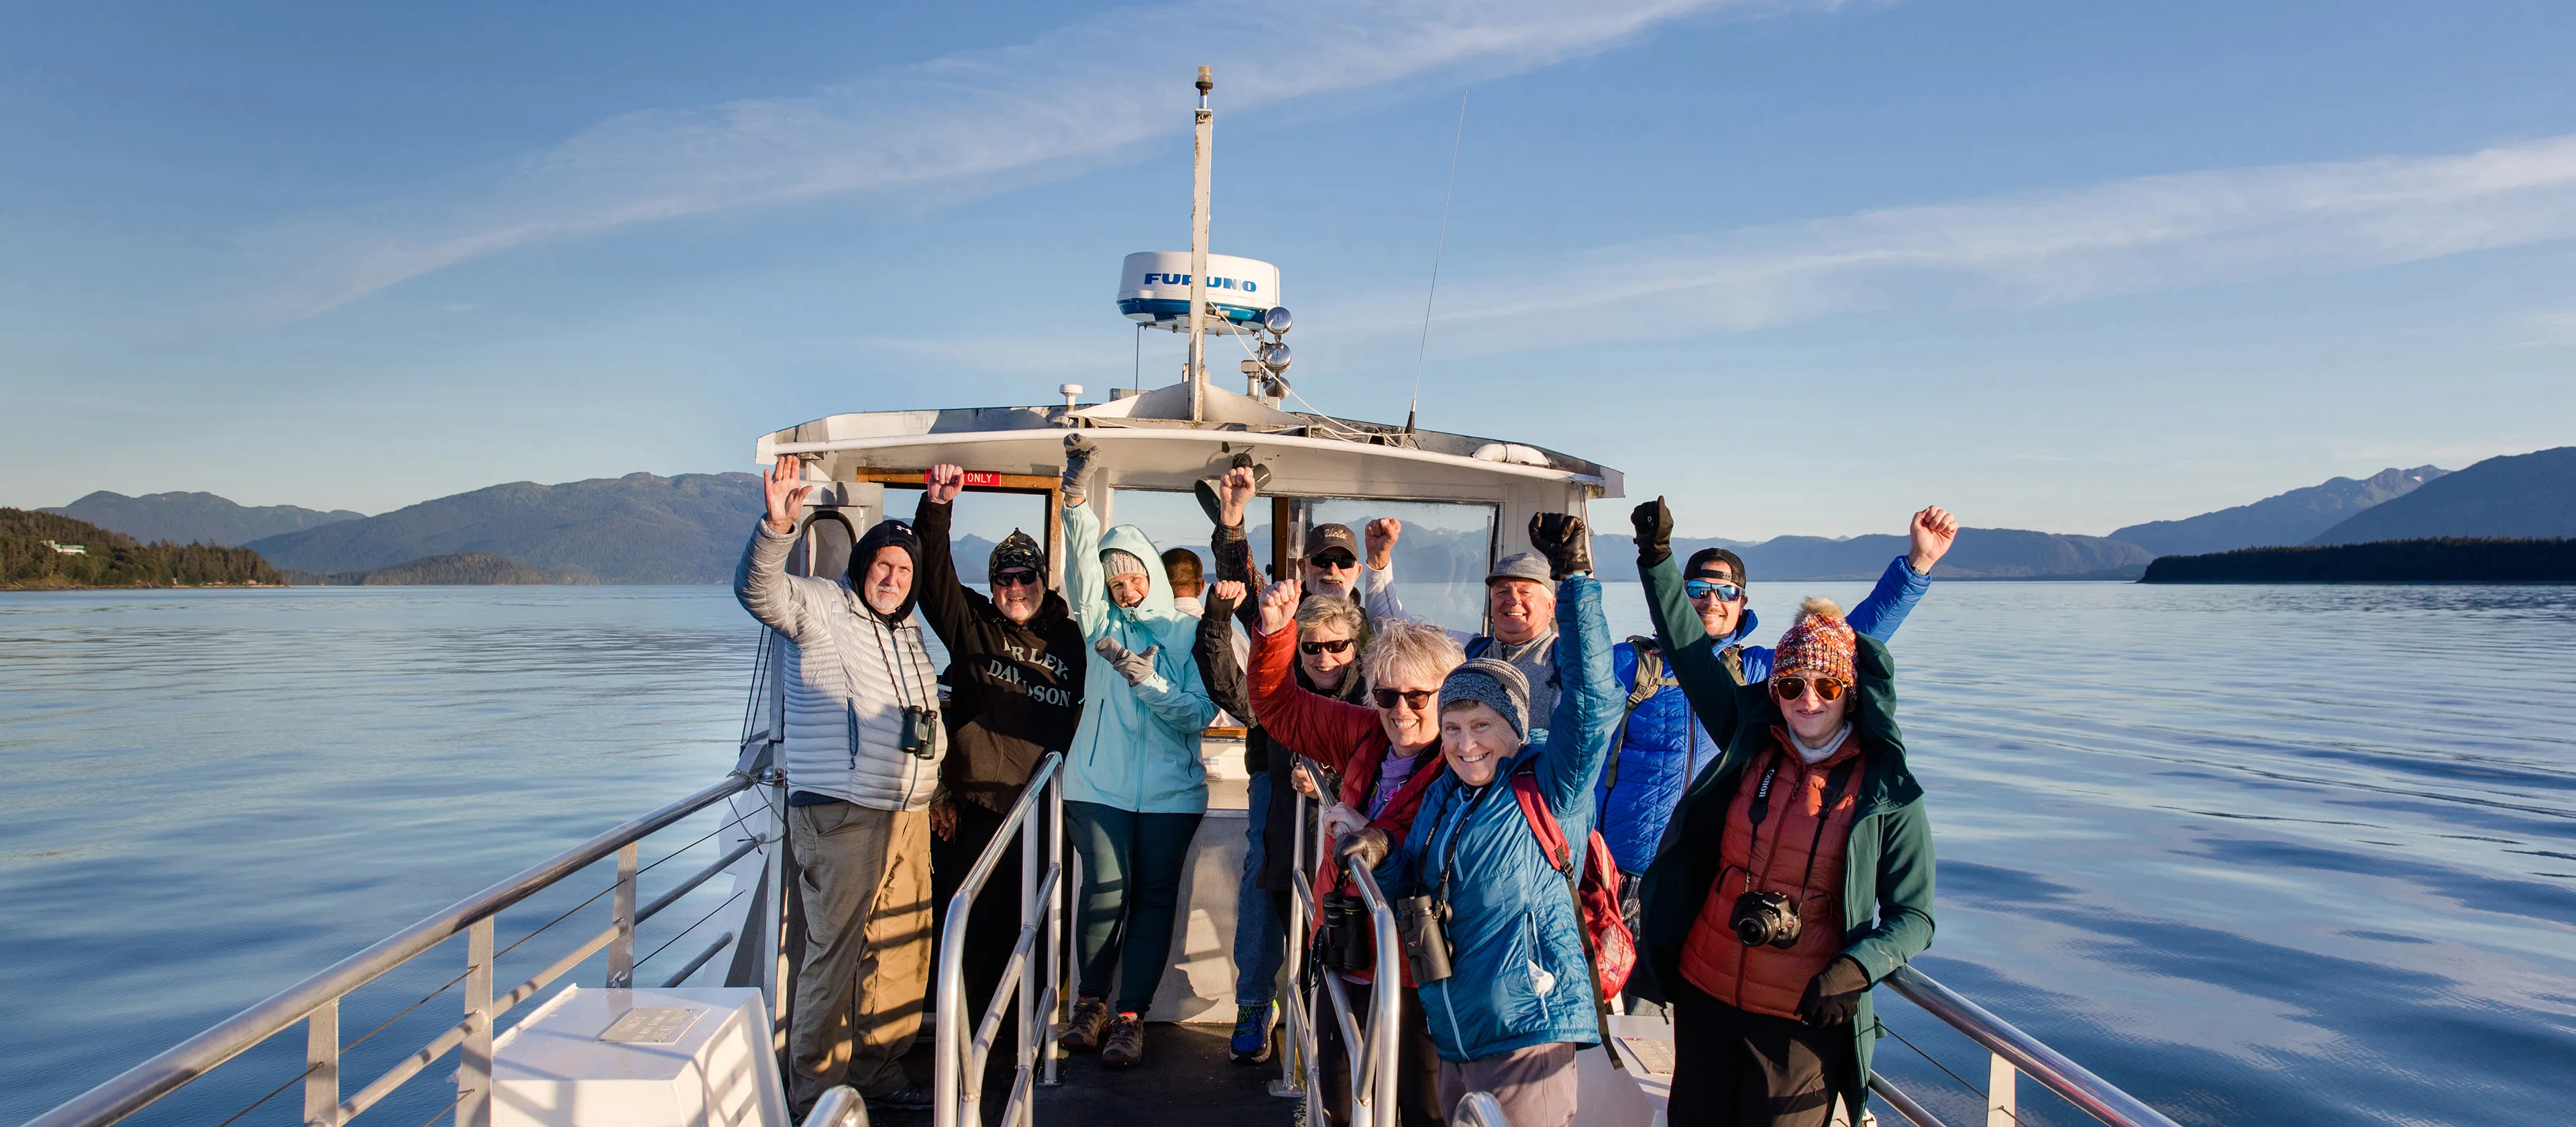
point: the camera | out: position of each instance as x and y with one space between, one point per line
1420 922
1346 944
919 732
1765 917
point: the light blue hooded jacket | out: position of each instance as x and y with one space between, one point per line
1138 745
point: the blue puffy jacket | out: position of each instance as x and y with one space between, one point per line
1518 973
1663 747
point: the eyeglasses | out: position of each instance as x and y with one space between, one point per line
1332 646
1704 588
1337 561
1016 578
1791 688
1416 699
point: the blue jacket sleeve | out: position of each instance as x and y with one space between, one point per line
1899 588
1587 706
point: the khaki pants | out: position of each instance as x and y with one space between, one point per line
865 882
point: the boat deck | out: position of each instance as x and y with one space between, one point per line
1186 1078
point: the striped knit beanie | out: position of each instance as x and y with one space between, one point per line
1820 645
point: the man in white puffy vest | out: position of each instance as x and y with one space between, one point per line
862 760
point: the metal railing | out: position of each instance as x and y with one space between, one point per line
1479 1109
839 1106
2011 1054
316 1000
1371 1054
959 1094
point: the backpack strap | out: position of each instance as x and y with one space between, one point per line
1732 659
1551 841
1650 677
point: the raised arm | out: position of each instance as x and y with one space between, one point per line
1932 531
760 582
1085 591
1588 706
1214 653
947 604
1688 650
1318 727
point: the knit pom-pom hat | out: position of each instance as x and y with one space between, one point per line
1820 645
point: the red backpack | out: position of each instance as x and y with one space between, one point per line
1607 944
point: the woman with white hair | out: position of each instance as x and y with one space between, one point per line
1388 753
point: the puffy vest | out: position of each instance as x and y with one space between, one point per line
1773 856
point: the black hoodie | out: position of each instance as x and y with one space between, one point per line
1016 688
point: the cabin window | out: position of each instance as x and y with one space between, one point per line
824 551
1440 560
1174 520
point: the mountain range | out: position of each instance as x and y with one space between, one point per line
194 518
2288 518
2518 495
689 529
634 529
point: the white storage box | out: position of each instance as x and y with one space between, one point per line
639 1058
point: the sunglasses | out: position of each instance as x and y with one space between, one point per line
1334 646
1417 699
1016 579
1704 588
1791 688
1337 561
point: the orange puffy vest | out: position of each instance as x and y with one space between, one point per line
1773 857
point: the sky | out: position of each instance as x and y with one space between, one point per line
1802 267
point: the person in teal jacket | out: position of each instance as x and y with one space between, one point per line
1519 999
1134 790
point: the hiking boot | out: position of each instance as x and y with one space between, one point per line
1082 1033
1251 1043
1124 1045
910 1097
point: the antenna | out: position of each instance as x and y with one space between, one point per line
1199 246
1437 249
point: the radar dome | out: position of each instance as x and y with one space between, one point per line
1154 289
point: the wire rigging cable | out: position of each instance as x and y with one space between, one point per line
1438 248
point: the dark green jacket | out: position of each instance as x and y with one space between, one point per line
1887 873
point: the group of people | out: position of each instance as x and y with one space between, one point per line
1538 799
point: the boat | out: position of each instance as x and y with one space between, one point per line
696 1037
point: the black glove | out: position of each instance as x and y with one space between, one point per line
1077 466
1365 847
1654 525
1833 998
1561 538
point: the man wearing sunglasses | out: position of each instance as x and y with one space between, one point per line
1016 667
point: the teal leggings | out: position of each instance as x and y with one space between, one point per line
1131 880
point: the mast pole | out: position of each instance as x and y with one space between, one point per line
1199 247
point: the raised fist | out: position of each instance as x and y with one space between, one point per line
1278 607
944 482
1381 535
1562 539
1933 531
1654 528
1077 466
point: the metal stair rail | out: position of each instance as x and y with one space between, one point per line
315 1002
959 1094
2011 1054
1372 1053
839 1106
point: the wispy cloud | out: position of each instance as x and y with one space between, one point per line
950 128
2128 236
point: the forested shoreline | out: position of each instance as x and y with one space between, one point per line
2445 560
30 558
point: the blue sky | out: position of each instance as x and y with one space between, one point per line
1804 267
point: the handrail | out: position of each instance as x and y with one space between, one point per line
1372 1052
138 1087
2098 1097
839 1106
957 1095
1479 1109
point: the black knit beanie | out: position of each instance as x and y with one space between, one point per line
889 533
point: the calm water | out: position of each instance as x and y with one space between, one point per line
2257 854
